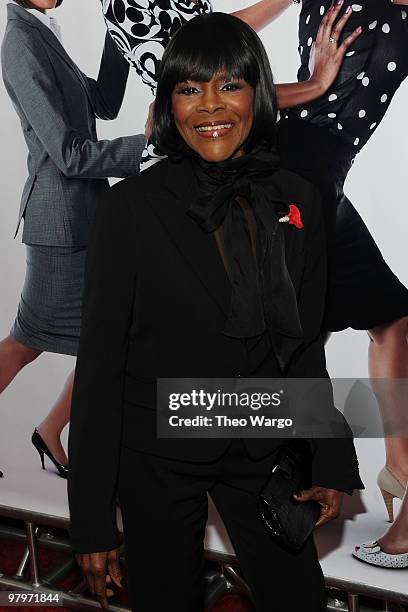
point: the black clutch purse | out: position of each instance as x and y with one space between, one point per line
288 521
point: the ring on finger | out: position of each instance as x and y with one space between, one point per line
333 40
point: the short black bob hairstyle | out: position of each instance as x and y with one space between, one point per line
206 45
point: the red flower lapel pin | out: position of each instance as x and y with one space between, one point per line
293 217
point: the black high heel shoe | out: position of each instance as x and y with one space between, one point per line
43 449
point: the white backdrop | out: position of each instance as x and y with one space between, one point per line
375 186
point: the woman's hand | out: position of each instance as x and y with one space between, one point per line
149 122
327 55
326 58
98 569
330 500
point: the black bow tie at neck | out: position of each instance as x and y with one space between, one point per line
263 297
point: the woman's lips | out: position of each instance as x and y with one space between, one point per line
213 130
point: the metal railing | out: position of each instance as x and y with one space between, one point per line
224 579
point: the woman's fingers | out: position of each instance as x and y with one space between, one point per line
330 507
90 581
333 14
329 499
349 41
94 567
114 568
327 514
100 588
305 495
84 563
99 571
330 30
336 30
321 32
109 592
327 22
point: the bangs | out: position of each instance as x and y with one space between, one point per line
203 64
197 56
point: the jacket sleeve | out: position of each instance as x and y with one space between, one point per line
96 413
29 78
335 463
108 90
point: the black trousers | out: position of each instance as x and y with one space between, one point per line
164 506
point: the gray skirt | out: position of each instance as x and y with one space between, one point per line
49 311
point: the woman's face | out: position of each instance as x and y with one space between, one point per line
43 5
214 118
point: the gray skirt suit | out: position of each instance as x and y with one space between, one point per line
67 170
49 311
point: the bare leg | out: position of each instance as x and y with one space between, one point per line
51 427
14 356
388 360
395 540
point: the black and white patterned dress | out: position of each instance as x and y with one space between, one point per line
320 140
373 69
142 30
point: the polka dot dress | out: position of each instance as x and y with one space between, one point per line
142 29
320 140
372 71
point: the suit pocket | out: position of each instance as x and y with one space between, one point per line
27 191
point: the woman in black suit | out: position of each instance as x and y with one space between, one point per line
193 272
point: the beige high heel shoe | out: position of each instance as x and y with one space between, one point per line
390 488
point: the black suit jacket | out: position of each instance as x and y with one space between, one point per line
155 304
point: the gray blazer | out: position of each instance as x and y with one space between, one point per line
58 106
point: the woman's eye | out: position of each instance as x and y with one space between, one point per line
231 86
187 91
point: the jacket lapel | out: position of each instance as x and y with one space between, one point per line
15 12
294 237
294 253
198 248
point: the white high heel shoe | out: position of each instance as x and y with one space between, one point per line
390 488
371 552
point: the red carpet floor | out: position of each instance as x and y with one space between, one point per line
10 555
